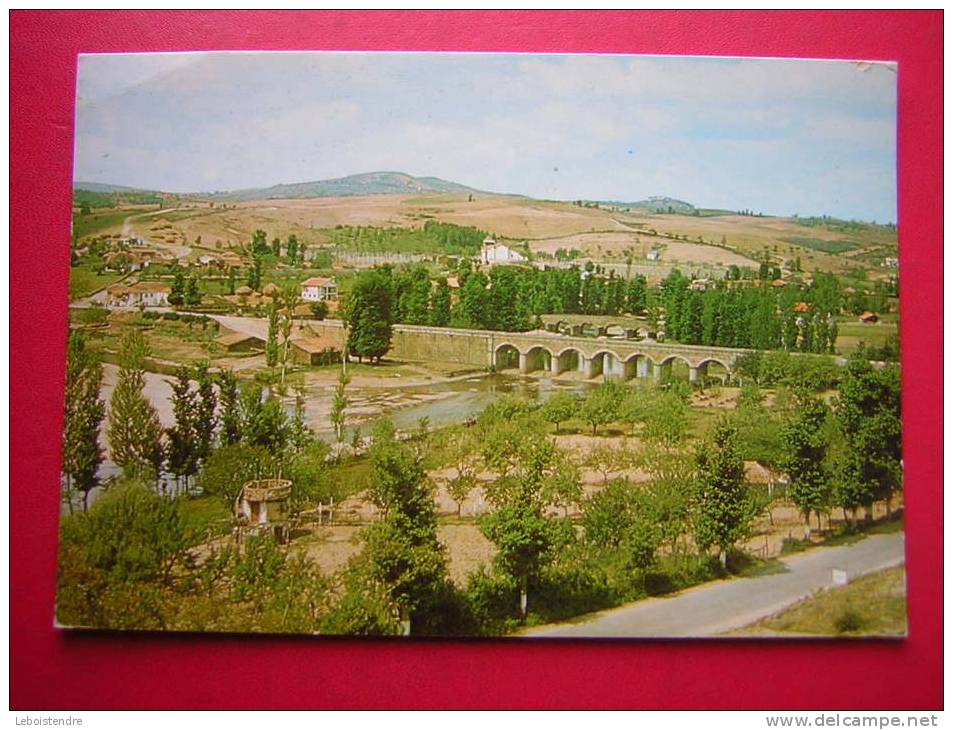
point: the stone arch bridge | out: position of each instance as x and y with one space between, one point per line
608 357
548 353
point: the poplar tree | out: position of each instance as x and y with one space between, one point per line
231 425
805 448
182 437
723 509
85 410
440 304
133 431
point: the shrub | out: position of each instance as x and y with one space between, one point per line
848 621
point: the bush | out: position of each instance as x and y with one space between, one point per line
130 533
493 600
848 621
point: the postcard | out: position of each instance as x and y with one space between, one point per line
536 346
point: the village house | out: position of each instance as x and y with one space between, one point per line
141 294
869 318
653 255
319 289
315 351
498 253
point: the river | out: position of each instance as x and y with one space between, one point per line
443 404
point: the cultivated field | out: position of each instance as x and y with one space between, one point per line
598 233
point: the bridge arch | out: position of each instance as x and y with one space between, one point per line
506 356
723 371
569 359
535 358
638 365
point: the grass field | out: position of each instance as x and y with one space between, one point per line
873 605
83 282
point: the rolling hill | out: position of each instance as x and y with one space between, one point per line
368 183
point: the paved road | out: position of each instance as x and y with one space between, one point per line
719 607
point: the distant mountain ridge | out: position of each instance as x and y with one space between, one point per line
656 202
368 183
95 187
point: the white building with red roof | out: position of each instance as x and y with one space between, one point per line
319 289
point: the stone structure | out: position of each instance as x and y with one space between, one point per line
546 352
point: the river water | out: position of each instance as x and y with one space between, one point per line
443 404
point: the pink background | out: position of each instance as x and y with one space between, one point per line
52 669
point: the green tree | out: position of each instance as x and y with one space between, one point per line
259 244
193 297
602 405
177 294
133 430
440 304
805 449
182 450
231 427
206 405
319 310
271 344
724 511
85 410
868 412
525 539
228 468
402 551
559 408
255 273
368 315
464 458
339 406
132 534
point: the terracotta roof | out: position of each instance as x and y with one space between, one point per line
315 344
317 281
802 307
271 289
244 290
233 338
151 286
453 282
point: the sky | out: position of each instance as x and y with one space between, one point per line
782 137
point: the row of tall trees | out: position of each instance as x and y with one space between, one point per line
756 317
847 455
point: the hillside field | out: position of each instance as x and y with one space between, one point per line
602 234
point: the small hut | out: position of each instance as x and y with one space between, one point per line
264 502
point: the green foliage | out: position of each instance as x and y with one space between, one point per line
602 405
339 403
811 372
319 310
560 407
805 450
133 430
724 512
401 553
525 539
369 316
433 237
228 468
85 411
439 315
230 416
130 533
308 472
868 413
